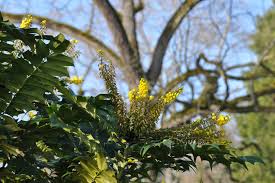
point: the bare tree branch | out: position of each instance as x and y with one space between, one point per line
129 23
183 77
208 100
120 36
139 6
243 104
162 44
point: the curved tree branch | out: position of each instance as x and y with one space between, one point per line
242 104
176 81
209 99
162 44
120 36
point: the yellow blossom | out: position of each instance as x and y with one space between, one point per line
143 88
132 160
75 80
100 52
26 22
171 96
141 92
213 116
74 41
43 23
132 94
151 97
31 114
221 119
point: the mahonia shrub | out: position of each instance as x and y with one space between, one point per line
140 120
50 134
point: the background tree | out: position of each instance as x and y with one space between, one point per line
169 43
257 129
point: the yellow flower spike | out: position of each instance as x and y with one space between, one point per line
32 114
222 120
75 80
43 23
143 88
171 96
26 22
132 94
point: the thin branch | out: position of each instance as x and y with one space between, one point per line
183 77
237 105
139 6
163 41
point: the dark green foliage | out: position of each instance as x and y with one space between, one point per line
30 70
73 138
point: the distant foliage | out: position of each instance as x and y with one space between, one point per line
257 129
49 134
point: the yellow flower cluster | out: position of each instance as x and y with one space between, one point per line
75 80
26 22
132 160
171 96
141 92
123 141
100 52
132 94
143 88
220 119
43 23
31 114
